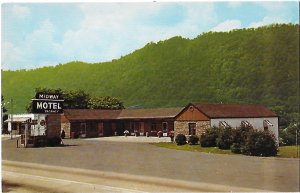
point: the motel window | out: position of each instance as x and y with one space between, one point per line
192 128
224 124
245 124
267 124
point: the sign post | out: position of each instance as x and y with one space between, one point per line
26 137
11 118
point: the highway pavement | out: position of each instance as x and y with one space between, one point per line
41 178
145 160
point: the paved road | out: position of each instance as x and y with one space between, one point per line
20 177
28 177
271 174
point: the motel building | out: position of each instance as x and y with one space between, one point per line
17 124
190 120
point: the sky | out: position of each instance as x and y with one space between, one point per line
34 35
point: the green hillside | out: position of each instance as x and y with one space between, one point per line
242 66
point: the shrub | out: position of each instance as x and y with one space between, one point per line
235 148
159 134
239 134
208 139
260 143
180 139
225 138
193 139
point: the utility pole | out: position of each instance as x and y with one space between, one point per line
11 117
297 140
2 121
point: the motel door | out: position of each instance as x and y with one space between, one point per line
100 129
165 129
137 127
83 130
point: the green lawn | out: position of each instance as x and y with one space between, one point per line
289 151
284 151
193 148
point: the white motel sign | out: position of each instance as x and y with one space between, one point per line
47 103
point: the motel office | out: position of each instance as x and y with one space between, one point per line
190 120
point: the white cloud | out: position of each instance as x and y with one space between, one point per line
112 30
234 4
267 21
20 11
227 26
106 31
11 56
37 49
271 6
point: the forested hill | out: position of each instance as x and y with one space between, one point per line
242 66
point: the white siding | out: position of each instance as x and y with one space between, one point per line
35 129
16 116
38 129
257 123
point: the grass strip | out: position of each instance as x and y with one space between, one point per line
284 151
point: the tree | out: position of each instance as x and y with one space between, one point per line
4 110
81 100
4 116
288 135
76 99
105 103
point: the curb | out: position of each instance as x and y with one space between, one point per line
192 186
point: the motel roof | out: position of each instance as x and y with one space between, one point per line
101 114
91 114
234 110
18 119
210 110
149 113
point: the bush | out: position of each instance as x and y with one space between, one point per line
235 148
208 139
260 143
159 134
193 140
180 139
239 136
225 138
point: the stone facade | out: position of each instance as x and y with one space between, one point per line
53 124
66 127
183 127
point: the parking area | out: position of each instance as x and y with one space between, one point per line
132 139
270 174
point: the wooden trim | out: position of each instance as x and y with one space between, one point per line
185 108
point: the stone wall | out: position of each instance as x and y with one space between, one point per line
183 127
67 128
53 124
